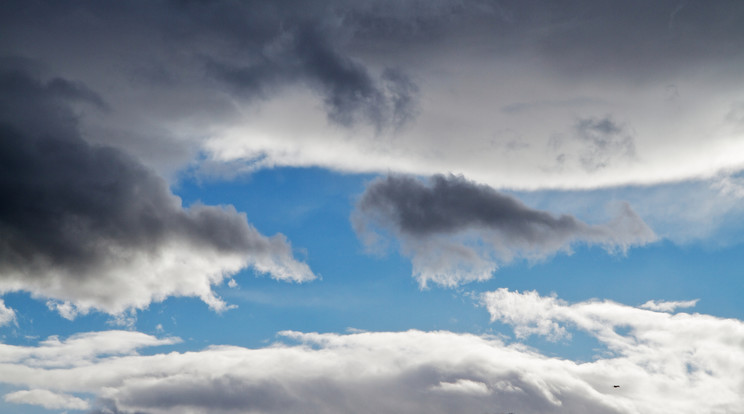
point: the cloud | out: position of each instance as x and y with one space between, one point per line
350 94
402 86
668 306
7 315
604 140
47 399
81 348
193 68
655 350
664 363
92 228
458 231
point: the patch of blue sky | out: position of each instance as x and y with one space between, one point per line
356 290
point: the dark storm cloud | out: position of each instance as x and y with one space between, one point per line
351 93
445 225
200 71
250 48
631 39
73 212
452 204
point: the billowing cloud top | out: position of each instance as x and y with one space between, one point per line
458 231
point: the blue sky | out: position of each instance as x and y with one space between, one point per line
382 207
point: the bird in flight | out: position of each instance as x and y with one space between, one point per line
615 386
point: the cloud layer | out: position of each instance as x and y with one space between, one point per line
91 227
457 231
520 94
664 363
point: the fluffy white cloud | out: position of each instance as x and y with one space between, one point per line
669 362
47 399
664 363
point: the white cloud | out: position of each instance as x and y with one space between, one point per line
134 278
463 386
664 364
668 306
496 147
670 362
526 312
7 315
47 399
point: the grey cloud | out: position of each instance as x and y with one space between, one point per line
603 140
456 230
251 48
76 216
351 93
75 91
192 73
519 107
632 40
735 115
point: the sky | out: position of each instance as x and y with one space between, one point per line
445 206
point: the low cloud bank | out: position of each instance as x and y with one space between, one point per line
663 363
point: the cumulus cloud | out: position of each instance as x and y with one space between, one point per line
92 228
47 399
458 231
664 363
651 353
